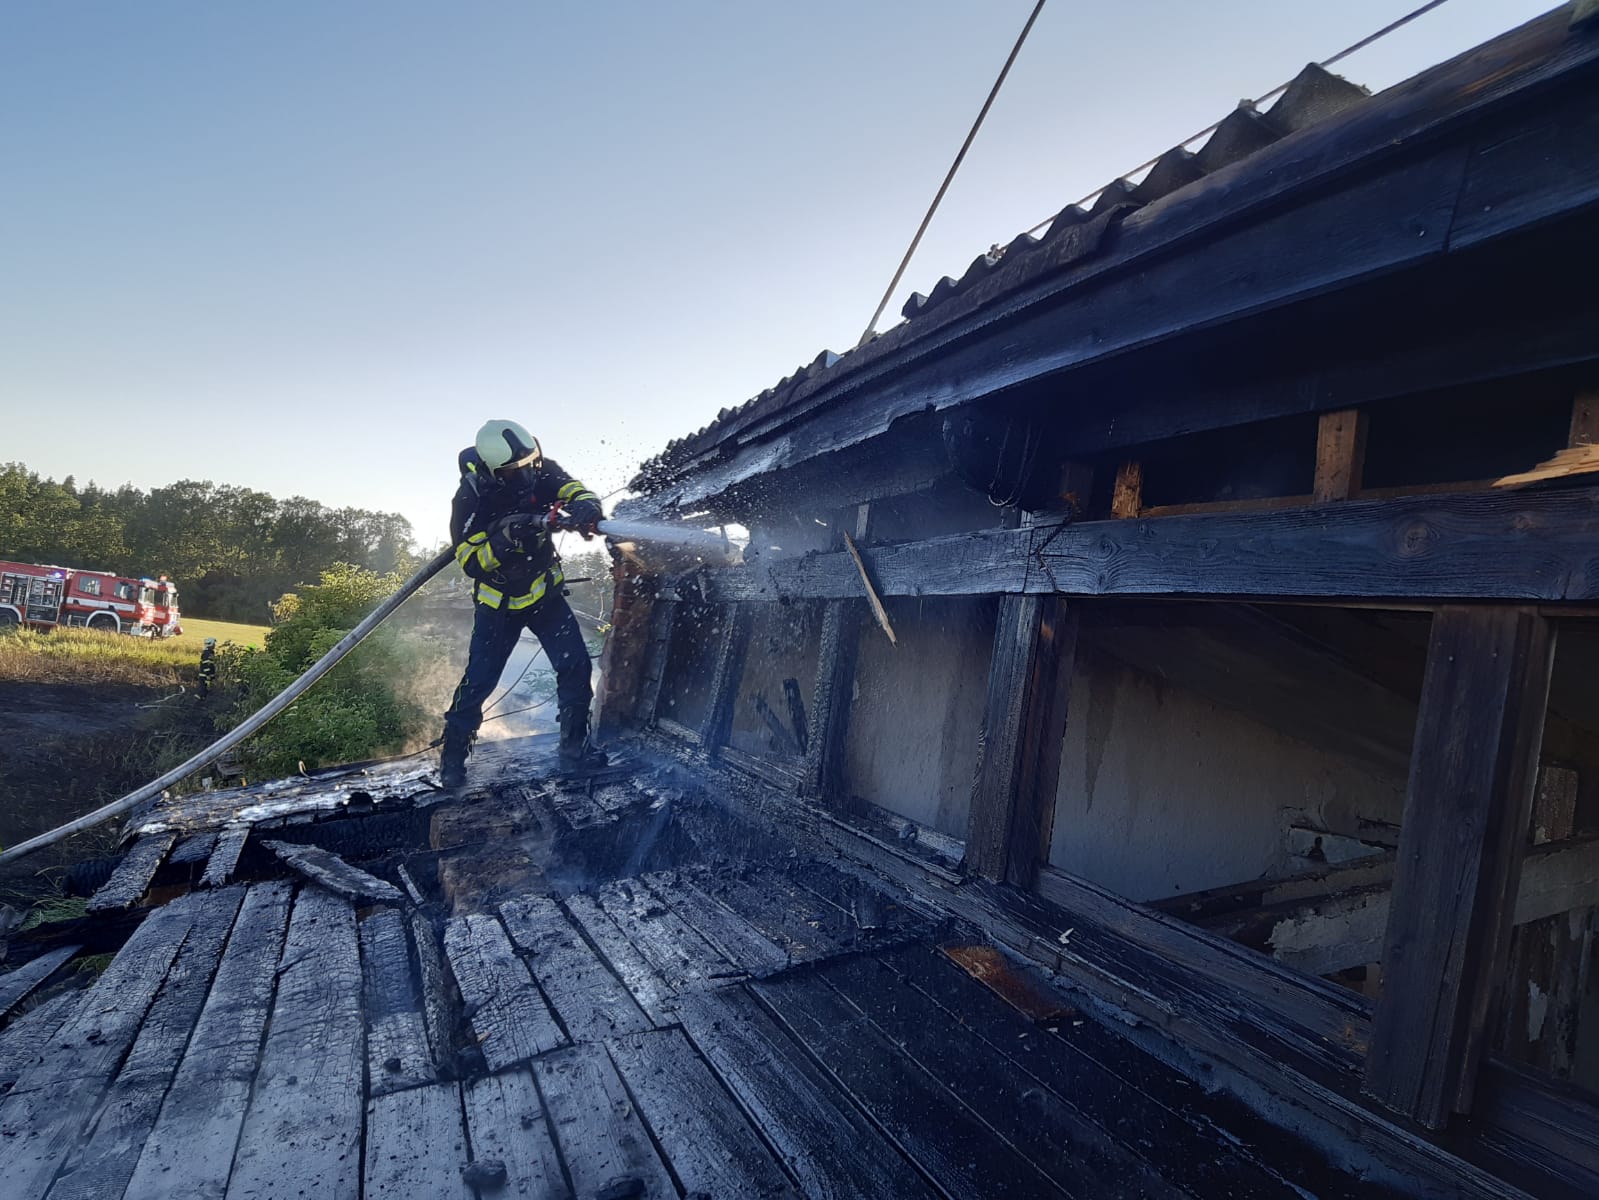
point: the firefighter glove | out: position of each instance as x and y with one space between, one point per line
585 516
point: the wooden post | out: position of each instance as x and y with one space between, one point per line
724 682
825 777
1340 455
1464 833
625 659
662 621
1585 417
1024 720
1128 498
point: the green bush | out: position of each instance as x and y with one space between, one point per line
358 710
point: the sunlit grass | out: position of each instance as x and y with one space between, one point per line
88 656
195 631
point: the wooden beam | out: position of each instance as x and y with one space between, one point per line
1585 417
1531 546
1024 721
1340 455
1338 929
663 618
625 659
724 680
825 777
1465 820
1127 500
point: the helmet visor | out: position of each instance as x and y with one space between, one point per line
523 471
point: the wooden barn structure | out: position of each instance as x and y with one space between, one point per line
1145 599
1138 753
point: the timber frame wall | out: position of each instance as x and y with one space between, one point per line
1484 201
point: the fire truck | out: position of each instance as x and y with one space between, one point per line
43 597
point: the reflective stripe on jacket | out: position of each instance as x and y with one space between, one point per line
492 596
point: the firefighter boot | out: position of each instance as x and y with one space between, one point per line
577 752
452 758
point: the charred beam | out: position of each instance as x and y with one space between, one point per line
1465 821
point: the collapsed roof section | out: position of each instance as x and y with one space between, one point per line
1324 137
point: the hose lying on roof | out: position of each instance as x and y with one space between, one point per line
250 725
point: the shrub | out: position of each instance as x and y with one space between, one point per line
359 710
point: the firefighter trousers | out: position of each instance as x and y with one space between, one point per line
495 632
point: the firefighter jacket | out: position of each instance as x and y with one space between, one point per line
522 577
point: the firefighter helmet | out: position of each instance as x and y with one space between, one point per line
505 444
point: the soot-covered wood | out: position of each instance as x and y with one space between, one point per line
17 983
705 1137
1024 719
597 1127
508 1015
830 703
827 1144
332 872
592 1003
1465 820
416 1145
133 874
1527 546
104 1164
397 1051
188 1154
302 1132
506 1123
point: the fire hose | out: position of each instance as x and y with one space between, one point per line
250 725
555 521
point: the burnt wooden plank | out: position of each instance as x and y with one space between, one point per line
600 1135
730 934
831 695
799 923
397 1052
1538 1123
729 666
17 984
826 1143
133 874
1340 455
506 1123
591 1002
438 998
508 1015
328 870
25 1039
653 994
1179 1140
1024 720
964 1157
104 1164
188 1153
1060 1139
224 858
1467 808
1503 546
682 957
51 1103
302 1130
416 1145
708 1141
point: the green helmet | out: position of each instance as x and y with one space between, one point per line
503 444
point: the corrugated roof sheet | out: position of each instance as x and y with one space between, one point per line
1314 95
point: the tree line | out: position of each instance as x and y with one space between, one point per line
231 550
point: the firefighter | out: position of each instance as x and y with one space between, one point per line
208 666
497 528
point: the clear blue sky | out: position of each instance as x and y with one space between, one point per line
309 247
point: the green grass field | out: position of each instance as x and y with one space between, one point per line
195 631
87 656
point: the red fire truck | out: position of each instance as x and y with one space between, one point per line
44 596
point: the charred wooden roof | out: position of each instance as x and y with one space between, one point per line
1327 187
552 997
